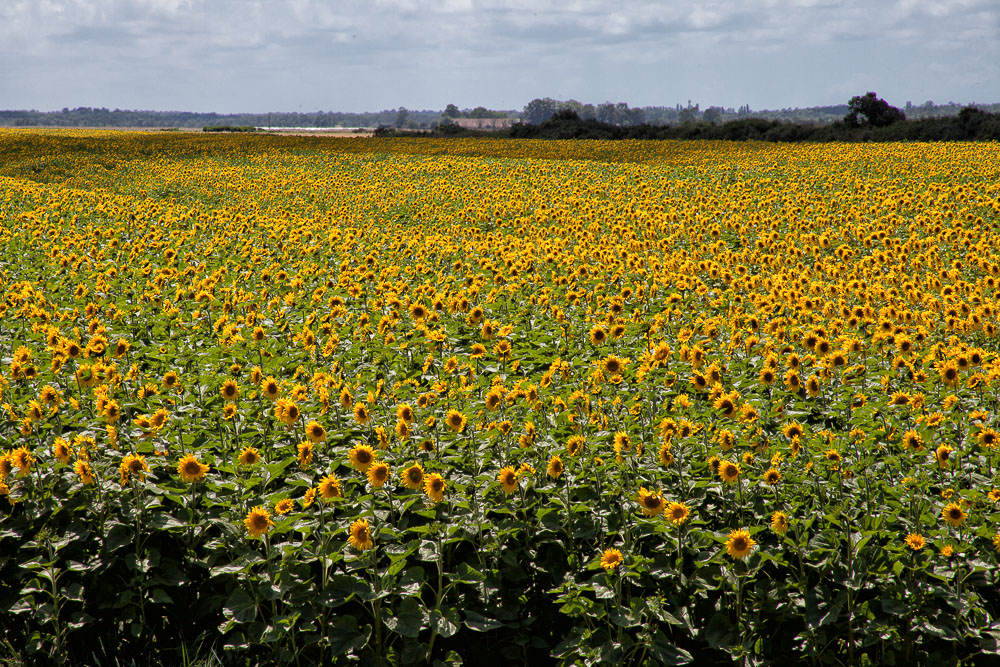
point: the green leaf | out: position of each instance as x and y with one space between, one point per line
240 607
409 619
479 623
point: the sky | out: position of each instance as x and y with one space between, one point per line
366 55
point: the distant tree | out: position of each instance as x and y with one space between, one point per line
688 114
538 111
401 115
451 111
712 114
482 112
869 109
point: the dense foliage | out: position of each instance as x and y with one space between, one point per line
280 399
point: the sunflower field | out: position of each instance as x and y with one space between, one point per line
412 401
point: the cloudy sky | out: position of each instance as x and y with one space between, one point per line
367 55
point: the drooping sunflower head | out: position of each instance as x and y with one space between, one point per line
284 506
915 541
779 523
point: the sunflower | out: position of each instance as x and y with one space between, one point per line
315 432
913 441
133 465
403 430
329 488
953 514
61 450
651 504
779 523
677 513
269 388
305 453
792 381
360 535
112 412
191 470
508 479
792 430
943 455
613 365
284 506
404 413
455 421
575 444
171 380
665 455
555 467
230 390
84 471
361 457
478 351
361 413
287 412
378 474
833 456
413 477
249 456
434 487
309 497
229 411
493 399
772 476
611 559
915 541
725 405
739 544
813 386
726 439
598 335
258 521
729 472
987 437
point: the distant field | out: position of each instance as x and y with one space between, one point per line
311 399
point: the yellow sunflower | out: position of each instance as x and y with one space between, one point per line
258 521
360 536
191 470
739 544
